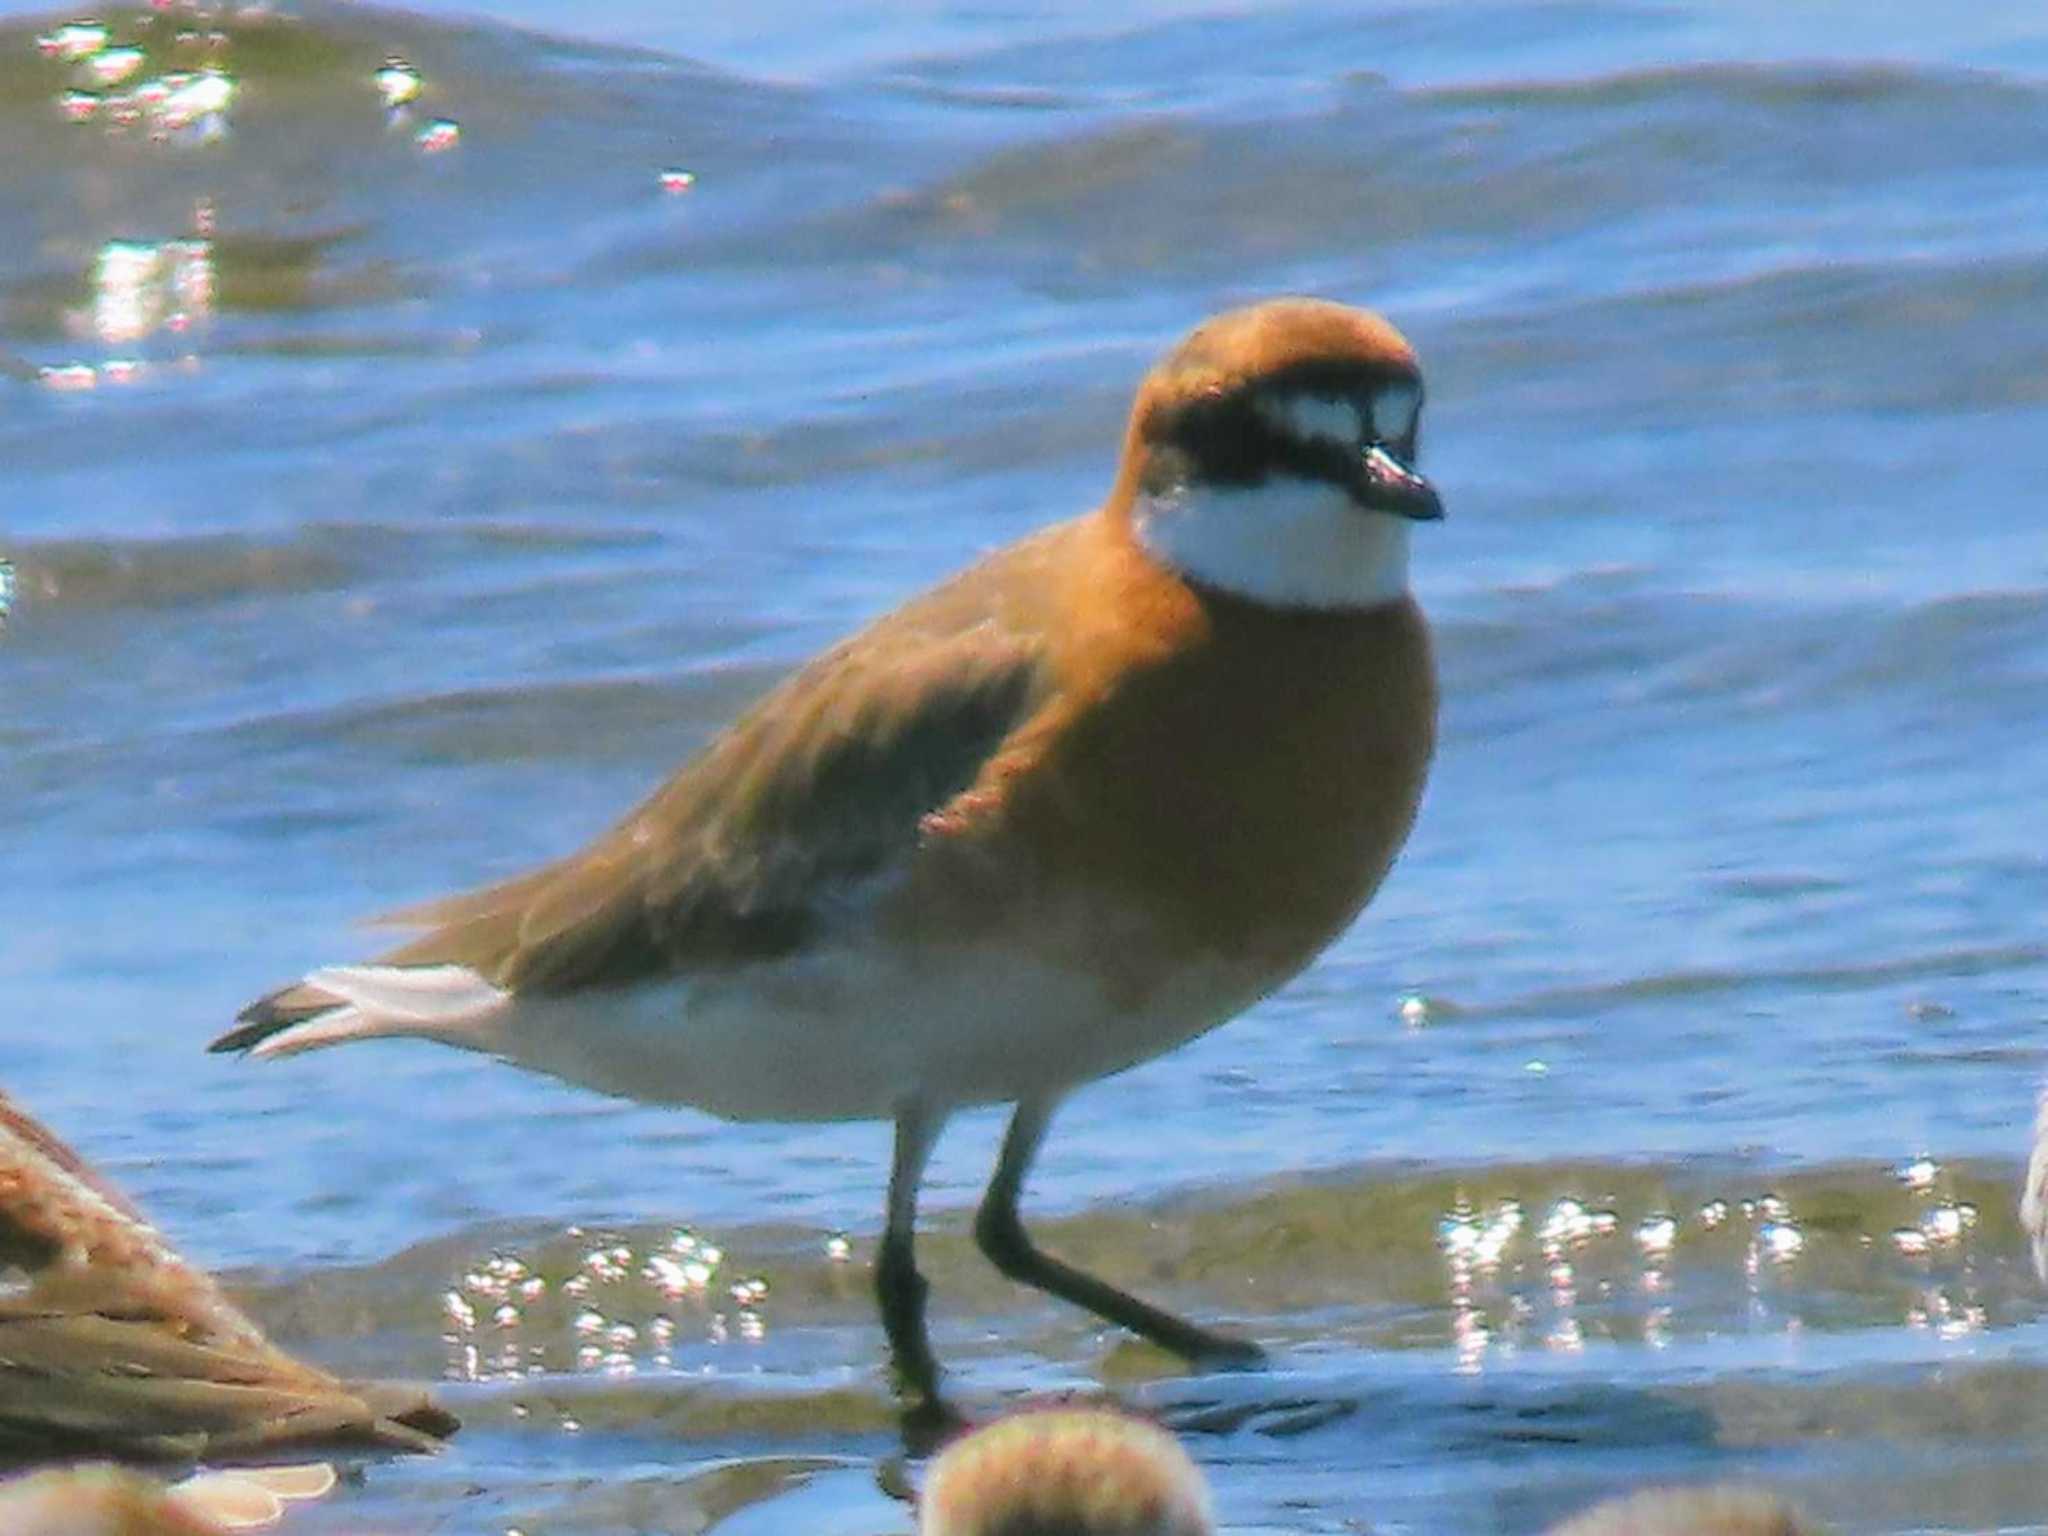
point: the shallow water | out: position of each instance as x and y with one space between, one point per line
388 518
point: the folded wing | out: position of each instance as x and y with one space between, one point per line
752 851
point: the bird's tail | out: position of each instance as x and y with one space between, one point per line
339 1003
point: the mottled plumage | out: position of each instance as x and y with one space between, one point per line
111 1345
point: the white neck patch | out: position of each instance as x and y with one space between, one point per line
1290 542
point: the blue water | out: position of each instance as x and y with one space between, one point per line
480 487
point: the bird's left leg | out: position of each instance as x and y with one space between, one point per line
1000 1232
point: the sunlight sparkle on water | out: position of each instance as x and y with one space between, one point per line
187 105
110 66
1780 1241
1466 1240
1656 1234
459 1311
1568 1289
617 1312
397 82
138 290
1570 1223
1944 1225
1945 1315
1470 1337
128 290
73 41
183 106
673 1277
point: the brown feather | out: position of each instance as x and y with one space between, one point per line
824 783
110 1344
1240 775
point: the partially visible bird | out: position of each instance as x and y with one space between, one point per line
1100 1472
2034 1191
1718 1509
103 1500
112 1346
1065 1472
113 1501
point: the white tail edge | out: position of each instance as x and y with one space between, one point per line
441 1002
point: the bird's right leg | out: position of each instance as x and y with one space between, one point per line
899 1288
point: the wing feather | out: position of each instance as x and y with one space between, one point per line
110 1344
821 786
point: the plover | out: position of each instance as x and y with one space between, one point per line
1084 801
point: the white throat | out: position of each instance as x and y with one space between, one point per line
1290 542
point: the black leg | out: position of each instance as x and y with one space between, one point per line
1000 1232
898 1286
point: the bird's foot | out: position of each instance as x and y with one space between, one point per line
928 1423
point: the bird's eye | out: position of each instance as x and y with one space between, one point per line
1394 410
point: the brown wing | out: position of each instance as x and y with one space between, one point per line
754 845
110 1344
93 1382
23 1137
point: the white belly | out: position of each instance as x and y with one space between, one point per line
843 1035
